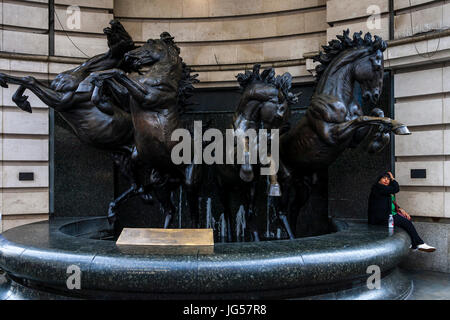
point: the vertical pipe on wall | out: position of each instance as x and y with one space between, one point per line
391 84
51 165
391 20
51 114
392 116
51 27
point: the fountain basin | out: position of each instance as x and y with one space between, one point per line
36 258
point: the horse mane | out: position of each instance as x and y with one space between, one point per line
168 39
283 83
187 81
186 85
344 42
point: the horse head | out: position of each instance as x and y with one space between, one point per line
163 55
265 96
369 71
154 51
360 58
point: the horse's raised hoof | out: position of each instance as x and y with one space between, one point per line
275 190
144 195
23 103
147 198
167 221
111 213
246 173
112 219
3 82
401 130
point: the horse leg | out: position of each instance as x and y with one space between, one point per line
379 137
224 192
246 171
379 142
192 180
138 92
21 100
302 194
282 202
251 209
120 94
275 188
130 193
346 130
282 208
125 164
47 95
287 225
225 198
163 194
59 101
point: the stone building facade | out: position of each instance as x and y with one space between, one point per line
220 38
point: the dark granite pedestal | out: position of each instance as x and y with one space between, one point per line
36 259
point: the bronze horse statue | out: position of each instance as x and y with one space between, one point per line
264 104
104 122
335 121
128 101
103 125
157 96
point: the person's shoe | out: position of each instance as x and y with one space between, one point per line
426 248
412 249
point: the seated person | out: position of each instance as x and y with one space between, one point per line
382 204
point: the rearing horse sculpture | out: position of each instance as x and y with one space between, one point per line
104 122
264 104
157 95
335 121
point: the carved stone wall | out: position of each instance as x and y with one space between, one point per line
24 137
219 38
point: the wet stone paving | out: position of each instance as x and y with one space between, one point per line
430 285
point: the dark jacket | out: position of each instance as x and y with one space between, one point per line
380 202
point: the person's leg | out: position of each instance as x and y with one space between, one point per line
408 226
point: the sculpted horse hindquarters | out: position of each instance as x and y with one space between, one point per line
105 124
264 104
157 96
335 121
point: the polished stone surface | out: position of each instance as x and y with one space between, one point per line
42 252
429 285
84 176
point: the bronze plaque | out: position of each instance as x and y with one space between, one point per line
167 237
